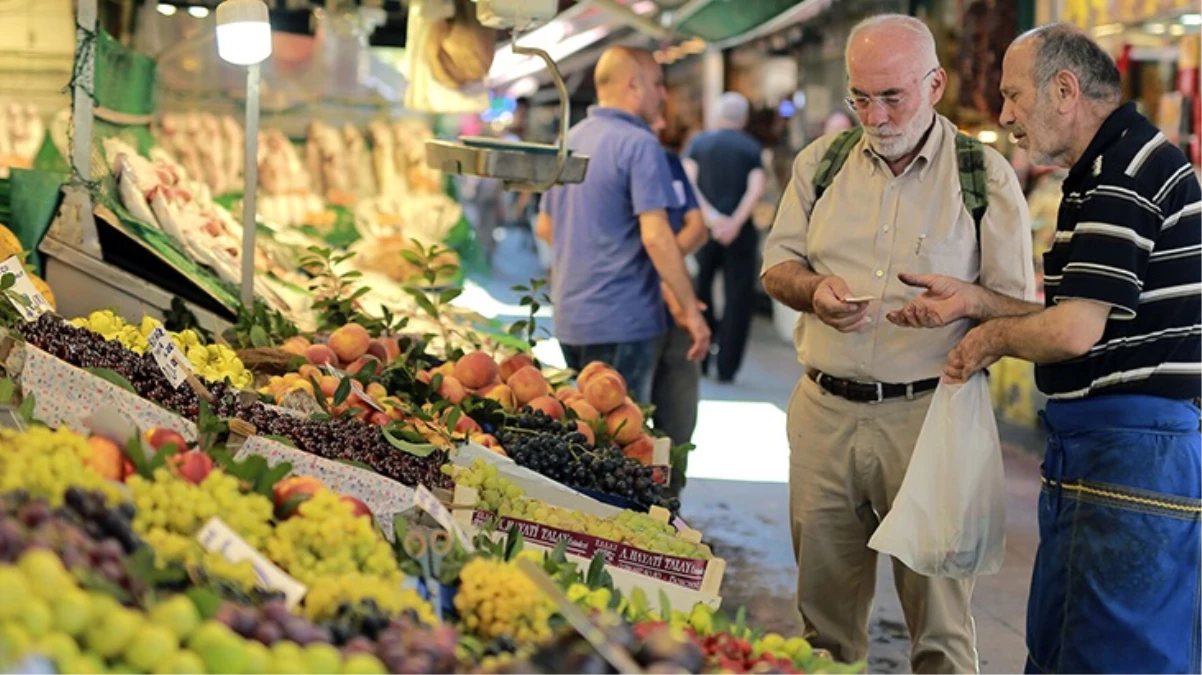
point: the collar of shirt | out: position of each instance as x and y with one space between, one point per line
926 153
614 113
1111 130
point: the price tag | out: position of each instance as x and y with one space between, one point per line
427 502
23 295
217 537
355 387
175 366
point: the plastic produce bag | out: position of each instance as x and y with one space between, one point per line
949 516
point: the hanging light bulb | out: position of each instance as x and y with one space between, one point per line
243 32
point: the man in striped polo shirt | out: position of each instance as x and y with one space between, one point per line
1117 348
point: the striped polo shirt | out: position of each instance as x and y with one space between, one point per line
1129 234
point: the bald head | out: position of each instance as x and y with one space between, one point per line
899 41
629 79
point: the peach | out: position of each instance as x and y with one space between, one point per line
513 364
605 392
106 458
295 345
350 342
528 384
385 349
446 370
379 419
591 369
466 425
504 395
641 449
624 424
424 376
377 391
549 405
452 390
362 361
321 355
329 385
584 410
157 437
476 370
193 465
585 430
308 370
487 440
358 508
565 394
291 486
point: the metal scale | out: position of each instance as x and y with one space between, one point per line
521 167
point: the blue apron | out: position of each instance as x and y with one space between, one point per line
1116 582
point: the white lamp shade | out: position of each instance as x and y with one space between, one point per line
243 32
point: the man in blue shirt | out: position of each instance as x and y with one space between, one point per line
611 236
726 164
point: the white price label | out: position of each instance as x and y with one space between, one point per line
427 502
171 360
217 537
23 295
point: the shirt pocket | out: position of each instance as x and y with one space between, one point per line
957 258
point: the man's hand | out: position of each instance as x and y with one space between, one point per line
725 229
829 306
699 330
674 308
978 350
946 299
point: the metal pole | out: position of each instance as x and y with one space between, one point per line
251 188
75 224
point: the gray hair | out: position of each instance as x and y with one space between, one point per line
911 27
1060 46
733 108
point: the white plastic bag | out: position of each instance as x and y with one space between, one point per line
949 516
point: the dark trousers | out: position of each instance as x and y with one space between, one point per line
635 361
738 263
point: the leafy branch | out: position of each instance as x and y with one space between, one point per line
423 287
337 302
534 299
258 327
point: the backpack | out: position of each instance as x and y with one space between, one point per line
970 158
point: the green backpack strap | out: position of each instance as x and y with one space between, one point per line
834 158
970 157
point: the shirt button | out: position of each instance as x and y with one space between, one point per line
886 228
880 273
868 319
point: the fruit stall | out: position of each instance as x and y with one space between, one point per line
362 497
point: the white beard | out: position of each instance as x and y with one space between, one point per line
891 142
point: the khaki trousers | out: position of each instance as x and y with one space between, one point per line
846 464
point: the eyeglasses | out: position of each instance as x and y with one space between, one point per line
860 102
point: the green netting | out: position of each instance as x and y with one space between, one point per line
35 197
125 79
722 19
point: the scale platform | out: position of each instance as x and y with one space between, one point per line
515 163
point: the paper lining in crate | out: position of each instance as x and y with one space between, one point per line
385 497
65 395
697 574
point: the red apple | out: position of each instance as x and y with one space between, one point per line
360 509
158 437
292 486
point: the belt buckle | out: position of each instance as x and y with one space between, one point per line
880 392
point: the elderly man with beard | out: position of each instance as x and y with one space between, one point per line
1117 351
905 192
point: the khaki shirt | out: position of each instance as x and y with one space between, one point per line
871 226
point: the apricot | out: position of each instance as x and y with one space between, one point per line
452 390
502 394
624 424
641 449
106 458
295 345
350 342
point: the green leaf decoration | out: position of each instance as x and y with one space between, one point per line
112 377
415 449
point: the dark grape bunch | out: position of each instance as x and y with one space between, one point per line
557 451
343 439
84 532
402 643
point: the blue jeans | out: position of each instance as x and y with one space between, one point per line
1116 582
635 361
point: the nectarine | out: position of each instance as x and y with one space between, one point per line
350 342
624 424
476 369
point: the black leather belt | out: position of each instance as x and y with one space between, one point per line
870 392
